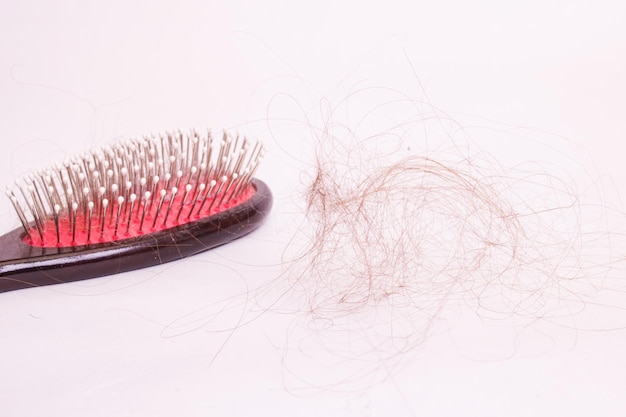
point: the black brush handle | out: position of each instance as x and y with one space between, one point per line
25 266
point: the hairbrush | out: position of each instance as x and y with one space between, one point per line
133 204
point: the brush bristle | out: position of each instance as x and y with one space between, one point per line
135 187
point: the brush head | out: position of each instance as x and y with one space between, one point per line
135 187
134 200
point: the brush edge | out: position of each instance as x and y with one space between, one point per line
20 268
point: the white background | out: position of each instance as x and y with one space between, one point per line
190 338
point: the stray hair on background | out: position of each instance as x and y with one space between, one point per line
409 224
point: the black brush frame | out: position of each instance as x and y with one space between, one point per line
25 266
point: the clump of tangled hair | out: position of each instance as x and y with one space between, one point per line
395 237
